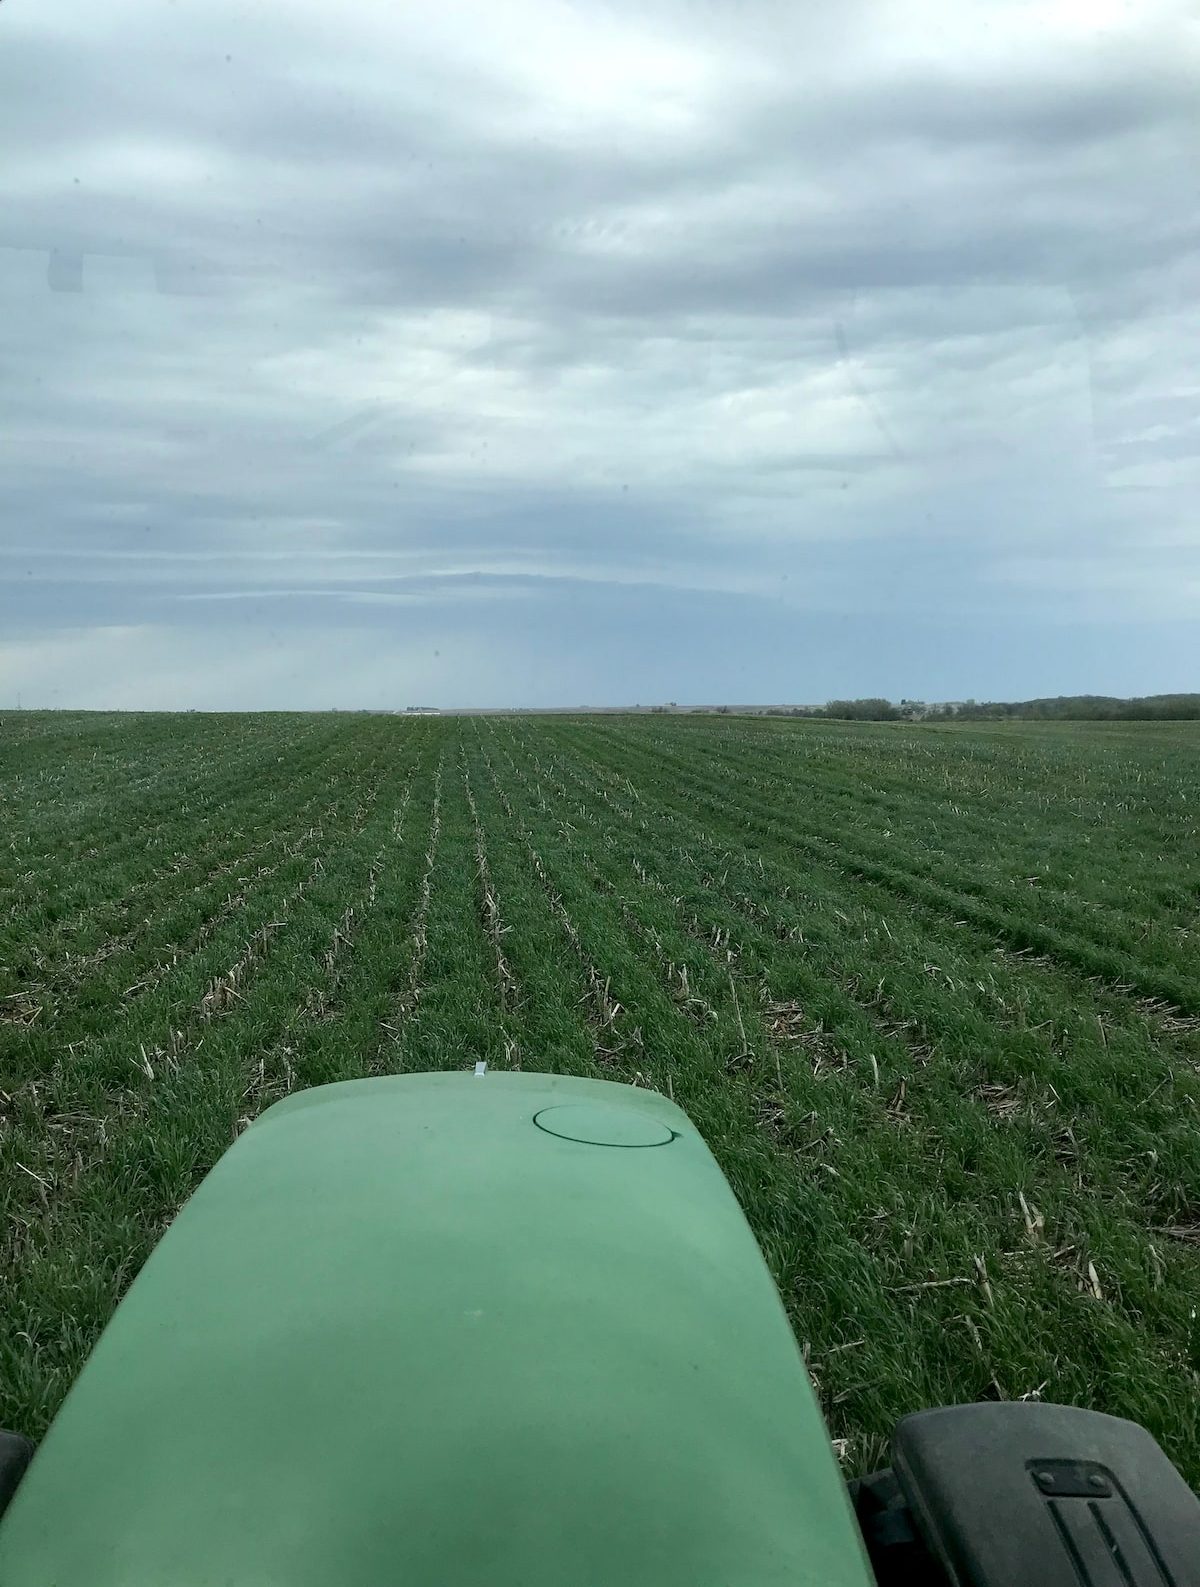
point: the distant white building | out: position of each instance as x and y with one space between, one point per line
422 710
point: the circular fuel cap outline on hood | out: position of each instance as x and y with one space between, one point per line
598 1124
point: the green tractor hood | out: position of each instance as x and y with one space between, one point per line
501 1329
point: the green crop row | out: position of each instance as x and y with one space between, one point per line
929 992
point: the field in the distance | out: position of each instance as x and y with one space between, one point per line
930 993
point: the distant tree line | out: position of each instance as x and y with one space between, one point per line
848 711
1059 707
1086 708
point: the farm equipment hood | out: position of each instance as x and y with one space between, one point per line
446 1329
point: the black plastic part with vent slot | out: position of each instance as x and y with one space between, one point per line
1028 1495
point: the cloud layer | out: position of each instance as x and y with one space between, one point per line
564 352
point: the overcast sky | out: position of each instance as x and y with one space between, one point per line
593 351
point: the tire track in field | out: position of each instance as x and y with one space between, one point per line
1019 1234
1099 1037
816 1040
713 942
395 1027
984 901
893 1032
1087 962
611 1042
326 1004
1169 1078
792 1114
941 992
853 774
714 939
458 1019
507 989
229 988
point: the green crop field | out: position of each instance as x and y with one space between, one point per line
931 994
